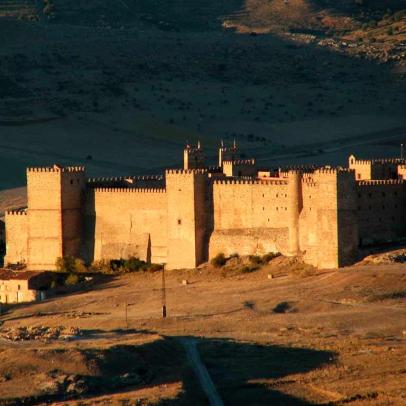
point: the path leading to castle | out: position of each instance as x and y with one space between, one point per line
201 371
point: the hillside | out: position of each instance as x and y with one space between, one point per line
120 86
319 338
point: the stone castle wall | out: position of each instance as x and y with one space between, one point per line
126 222
16 237
190 215
381 207
249 217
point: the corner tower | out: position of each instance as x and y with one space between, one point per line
55 201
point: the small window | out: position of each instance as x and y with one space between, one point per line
18 287
370 207
383 194
263 195
370 194
383 207
396 193
359 207
71 181
179 221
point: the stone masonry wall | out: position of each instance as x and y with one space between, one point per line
249 217
126 222
44 218
16 237
381 207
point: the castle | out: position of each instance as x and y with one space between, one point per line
182 219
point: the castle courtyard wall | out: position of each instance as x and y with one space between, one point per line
250 217
127 222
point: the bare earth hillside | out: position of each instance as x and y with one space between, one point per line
325 338
121 85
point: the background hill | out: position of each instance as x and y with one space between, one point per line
121 85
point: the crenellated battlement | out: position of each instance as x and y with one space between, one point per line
330 171
185 171
379 161
125 178
375 182
249 182
239 162
56 168
16 212
128 190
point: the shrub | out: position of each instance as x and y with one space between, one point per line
270 256
255 259
72 280
219 260
65 264
80 266
249 268
101 266
134 264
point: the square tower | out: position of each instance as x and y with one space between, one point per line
55 200
186 194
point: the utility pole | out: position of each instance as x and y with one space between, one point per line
401 151
126 314
163 294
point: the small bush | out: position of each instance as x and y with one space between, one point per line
72 280
270 256
101 266
66 264
219 260
131 264
249 268
255 259
134 264
80 266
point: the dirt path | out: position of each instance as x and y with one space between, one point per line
201 372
